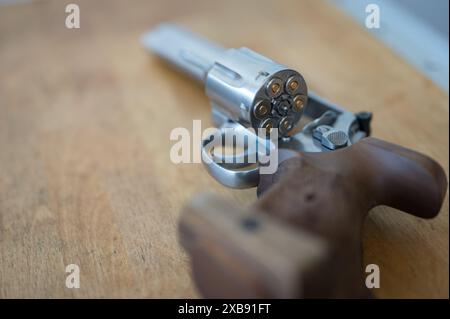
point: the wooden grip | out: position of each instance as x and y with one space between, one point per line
371 173
329 195
302 238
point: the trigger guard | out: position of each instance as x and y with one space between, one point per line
239 178
231 174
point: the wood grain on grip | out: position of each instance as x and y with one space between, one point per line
329 195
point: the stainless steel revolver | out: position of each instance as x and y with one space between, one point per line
302 237
249 90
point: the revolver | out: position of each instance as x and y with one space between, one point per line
302 237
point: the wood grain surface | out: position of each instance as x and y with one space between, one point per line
85 117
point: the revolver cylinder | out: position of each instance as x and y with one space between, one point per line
242 85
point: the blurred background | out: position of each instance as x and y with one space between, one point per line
417 30
86 115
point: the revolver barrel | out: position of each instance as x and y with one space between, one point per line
188 52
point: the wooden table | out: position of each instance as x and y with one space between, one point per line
85 117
